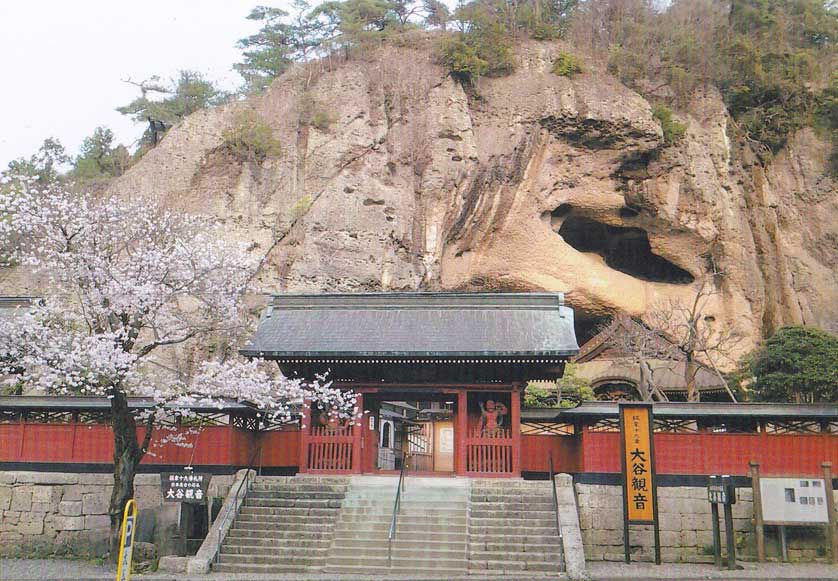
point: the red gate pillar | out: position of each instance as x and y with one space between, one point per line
516 430
460 432
358 437
305 430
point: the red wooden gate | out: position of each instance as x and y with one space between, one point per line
330 449
490 453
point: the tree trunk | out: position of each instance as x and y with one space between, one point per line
126 458
690 371
645 390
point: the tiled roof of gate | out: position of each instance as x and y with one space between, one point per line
415 325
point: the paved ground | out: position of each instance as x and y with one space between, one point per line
58 569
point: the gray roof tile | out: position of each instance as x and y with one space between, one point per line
415 325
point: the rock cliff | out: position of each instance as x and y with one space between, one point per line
527 182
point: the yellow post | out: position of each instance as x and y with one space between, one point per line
126 543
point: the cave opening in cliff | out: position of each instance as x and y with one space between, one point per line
626 249
586 324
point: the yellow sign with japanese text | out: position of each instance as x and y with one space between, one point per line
638 469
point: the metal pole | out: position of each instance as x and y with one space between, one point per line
784 548
731 541
717 535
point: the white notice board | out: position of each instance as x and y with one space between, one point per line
793 501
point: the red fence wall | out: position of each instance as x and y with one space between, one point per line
697 453
709 453
93 444
536 450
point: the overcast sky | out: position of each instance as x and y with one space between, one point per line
63 61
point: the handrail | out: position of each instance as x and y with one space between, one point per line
396 506
227 515
555 497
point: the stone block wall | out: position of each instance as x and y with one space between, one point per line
685 528
59 512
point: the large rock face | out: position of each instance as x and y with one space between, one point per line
532 182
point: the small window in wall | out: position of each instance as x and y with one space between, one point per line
789 494
386 435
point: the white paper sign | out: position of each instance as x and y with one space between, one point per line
793 501
446 440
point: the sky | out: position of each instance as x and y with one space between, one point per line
63 62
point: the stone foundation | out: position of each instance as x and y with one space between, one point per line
685 528
67 513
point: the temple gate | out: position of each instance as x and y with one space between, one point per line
445 370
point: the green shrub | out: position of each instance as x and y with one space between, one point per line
461 60
483 51
322 119
250 138
301 207
672 130
566 65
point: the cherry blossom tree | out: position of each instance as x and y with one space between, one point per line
127 285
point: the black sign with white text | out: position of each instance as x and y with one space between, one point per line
184 486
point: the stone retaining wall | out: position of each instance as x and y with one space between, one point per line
59 512
685 528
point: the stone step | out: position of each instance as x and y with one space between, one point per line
524 513
516 546
299 487
500 539
280 538
275 519
509 530
271 530
425 553
515 567
513 521
407 519
430 543
290 511
381 510
365 571
296 494
264 569
371 528
415 563
290 502
402 536
537 557
276 550
510 501
293 560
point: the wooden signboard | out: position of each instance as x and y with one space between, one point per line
640 502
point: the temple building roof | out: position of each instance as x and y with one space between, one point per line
380 336
415 325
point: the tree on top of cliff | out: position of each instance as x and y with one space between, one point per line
797 364
129 284
179 98
283 39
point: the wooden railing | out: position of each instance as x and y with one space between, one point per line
489 452
331 448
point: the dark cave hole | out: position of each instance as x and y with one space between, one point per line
562 211
587 326
627 212
624 249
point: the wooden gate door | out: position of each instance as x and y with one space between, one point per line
443 446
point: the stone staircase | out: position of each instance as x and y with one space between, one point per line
512 529
285 526
430 536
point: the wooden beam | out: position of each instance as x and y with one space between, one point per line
460 431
